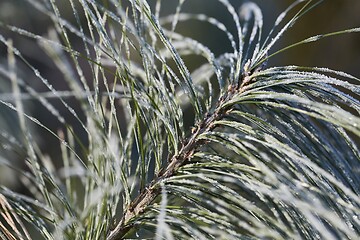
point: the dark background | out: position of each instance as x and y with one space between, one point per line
340 52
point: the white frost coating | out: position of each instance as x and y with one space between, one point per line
313 39
284 13
245 11
236 19
163 230
249 8
176 16
258 17
280 18
114 144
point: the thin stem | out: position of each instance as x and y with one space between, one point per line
189 147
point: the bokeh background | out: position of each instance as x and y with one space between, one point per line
339 53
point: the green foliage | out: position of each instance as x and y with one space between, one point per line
231 149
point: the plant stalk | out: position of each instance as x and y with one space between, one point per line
189 147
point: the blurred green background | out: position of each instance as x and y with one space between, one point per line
339 53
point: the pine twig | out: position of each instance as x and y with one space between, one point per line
189 147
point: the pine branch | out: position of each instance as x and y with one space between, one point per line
189 147
274 155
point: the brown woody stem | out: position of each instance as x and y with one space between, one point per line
148 194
